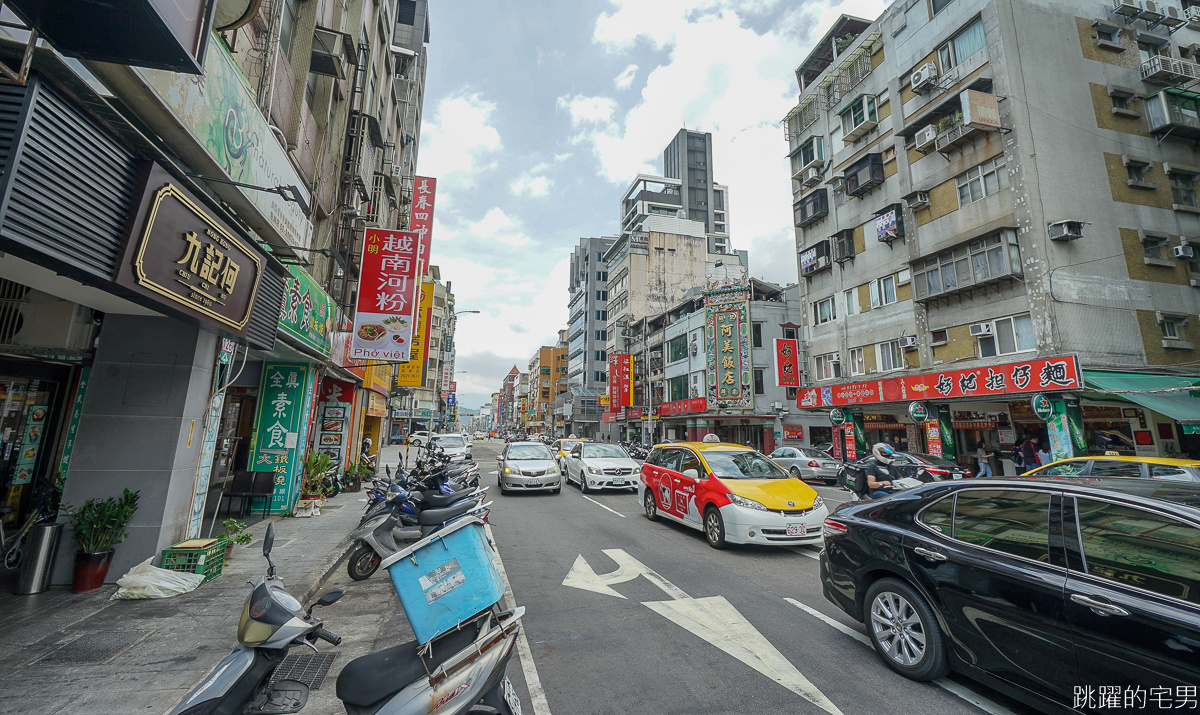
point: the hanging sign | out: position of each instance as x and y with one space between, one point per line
1042 408
412 373
284 397
420 219
307 313
837 417
918 411
787 362
387 296
727 343
620 381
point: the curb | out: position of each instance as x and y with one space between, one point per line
317 576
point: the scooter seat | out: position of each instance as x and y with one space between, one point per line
441 501
367 680
432 517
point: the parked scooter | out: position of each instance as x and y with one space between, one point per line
381 535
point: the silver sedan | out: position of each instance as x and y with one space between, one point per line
527 466
807 463
599 466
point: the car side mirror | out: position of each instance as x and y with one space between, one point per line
691 473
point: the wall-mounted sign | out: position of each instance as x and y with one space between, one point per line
727 343
307 313
808 259
620 381
918 411
180 255
1042 408
281 431
420 220
837 417
796 433
412 373
787 362
387 296
684 407
889 225
979 109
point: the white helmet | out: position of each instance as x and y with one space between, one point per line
884 453
711 437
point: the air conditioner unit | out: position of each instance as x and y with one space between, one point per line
925 137
1184 252
1150 11
812 177
980 329
1174 17
396 170
917 199
908 342
924 76
1066 230
1128 8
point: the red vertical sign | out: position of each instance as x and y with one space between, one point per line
851 454
787 362
620 382
387 295
420 219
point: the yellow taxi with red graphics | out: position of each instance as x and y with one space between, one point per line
734 494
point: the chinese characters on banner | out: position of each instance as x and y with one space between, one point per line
307 313
387 296
420 221
796 433
1059 373
620 382
412 373
727 343
683 407
787 362
284 399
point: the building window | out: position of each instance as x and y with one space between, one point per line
791 393
756 335
601 335
988 178
858 365
852 301
939 5
1172 326
789 333
1136 171
677 348
601 295
979 261
1183 189
883 291
599 256
824 311
964 45
601 315
828 366
759 388
1009 335
1152 245
287 23
1146 50
1119 101
889 356
939 337
812 150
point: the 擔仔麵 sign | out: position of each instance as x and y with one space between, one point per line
178 254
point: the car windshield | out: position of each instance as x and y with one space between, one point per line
935 461
568 445
604 450
449 442
814 453
528 451
742 465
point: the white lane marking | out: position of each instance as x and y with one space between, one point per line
805 552
602 506
712 619
949 686
536 692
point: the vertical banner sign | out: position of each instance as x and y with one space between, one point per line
933 438
620 382
727 344
420 223
787 362
412 373
856 435
387 296
208 441
282 418
64 464
1074 415
946 431
308 310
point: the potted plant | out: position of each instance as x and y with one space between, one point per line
233 532
98 526
314 466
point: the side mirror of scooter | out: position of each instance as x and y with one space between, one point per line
327 600
268 542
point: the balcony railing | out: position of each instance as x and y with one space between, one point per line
1169 70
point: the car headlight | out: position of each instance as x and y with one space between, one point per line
817 501
593 470
510 470
746 503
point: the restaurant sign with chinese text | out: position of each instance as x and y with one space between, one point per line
307 313
727 341
787 362
620 381
684 407
1058 373
387 296
180 255
285 398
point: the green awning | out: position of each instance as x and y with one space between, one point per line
1182 406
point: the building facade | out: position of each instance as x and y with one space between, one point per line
587 331
954 235
688 159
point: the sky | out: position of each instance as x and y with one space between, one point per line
539 114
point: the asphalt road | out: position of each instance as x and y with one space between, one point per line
656 621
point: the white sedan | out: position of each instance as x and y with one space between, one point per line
596 465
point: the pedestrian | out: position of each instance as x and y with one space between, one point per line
1018 454
1029 453
983 457
1044 454
896 442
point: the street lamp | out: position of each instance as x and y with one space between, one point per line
464 312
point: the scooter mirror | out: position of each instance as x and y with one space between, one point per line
332 597
269 540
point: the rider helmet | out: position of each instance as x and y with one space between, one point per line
884 453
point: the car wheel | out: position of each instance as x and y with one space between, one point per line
714 528
500 483
904 630
583 487
651 506
796 473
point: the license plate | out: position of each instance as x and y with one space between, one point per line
533 484
510 697
618 482
956 476
796 529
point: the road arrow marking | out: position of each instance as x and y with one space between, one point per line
712 619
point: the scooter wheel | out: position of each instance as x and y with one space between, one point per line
363 562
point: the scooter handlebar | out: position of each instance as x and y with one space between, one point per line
327 636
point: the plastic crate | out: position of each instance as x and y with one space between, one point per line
202 556
446 578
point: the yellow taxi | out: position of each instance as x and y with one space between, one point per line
734 494
1112 464
561 448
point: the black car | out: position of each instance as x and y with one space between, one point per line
1054 591
924 467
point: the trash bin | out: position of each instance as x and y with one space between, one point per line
37 561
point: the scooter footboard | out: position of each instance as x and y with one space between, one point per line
230 685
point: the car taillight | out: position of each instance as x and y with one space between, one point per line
831 528
939 472
813 463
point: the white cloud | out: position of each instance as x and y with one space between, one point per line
496 226
625 79
459 142
532 183
588 110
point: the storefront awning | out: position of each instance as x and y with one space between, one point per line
1182 405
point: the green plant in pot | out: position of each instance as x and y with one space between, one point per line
234 533
98 526
314 466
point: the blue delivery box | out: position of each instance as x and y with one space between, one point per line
445 578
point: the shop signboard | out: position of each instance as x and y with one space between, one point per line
604 399
727 347
933 438
64 463
1042 408
285 393
412 373
684 407
889 225
787 362
1027 377
180 255
221 113
420 218
620 381
945 431
387 296
837 417
918 411
979 109
308 312
794 433
33 404
208 442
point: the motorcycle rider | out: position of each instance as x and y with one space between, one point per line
879 475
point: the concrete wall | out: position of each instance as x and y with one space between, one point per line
150 386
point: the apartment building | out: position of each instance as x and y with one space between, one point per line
973 230
545 384
688 160
587 331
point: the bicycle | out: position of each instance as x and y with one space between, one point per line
12 554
